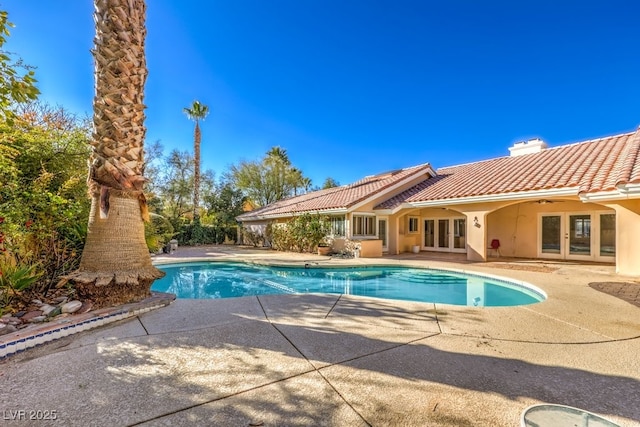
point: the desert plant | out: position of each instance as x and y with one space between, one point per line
16 277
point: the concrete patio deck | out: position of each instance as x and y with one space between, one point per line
331 360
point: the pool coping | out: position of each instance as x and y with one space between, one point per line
311 265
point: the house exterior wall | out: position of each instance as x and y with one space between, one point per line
517 226
627 236
406 239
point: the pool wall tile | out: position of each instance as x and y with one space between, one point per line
37 334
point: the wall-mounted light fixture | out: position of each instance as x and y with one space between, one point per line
476 223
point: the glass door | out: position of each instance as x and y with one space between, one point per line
459 233
607 235
443 233
551 230
580 235
429 233
383 234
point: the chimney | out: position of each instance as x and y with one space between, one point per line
527 147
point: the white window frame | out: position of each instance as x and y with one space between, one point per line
369 226
449 242
411 230
594 236
338 219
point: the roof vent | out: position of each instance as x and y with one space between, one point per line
527 147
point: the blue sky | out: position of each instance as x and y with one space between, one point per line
357 87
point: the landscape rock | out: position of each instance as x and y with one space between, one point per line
37 319
7 329
86 306
30 315
71 306
56 311
46 309
11 320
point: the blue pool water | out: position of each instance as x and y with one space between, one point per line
230 280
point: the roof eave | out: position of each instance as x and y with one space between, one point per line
556 192
334 211
622 192
427 170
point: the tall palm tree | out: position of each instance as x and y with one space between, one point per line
196 112
116 266
306 184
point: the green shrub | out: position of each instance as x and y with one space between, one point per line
301 234
16 277
250 237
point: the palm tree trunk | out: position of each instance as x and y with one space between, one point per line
196 174
116 265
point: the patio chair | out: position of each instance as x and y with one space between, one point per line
495 247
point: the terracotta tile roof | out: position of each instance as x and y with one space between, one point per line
338 198
589 167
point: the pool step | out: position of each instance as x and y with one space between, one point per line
430 278
276 285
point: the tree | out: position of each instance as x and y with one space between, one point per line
16 87
42 191
176 185
196 113
266 181
330 183
226 203
306 184
116 265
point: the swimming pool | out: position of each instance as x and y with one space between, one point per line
205 280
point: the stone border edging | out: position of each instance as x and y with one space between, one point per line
34 335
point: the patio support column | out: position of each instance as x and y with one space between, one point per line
476 234
627 236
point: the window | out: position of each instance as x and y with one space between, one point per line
413 224
337 226
582 226
364 225
607 234
429 233
459 232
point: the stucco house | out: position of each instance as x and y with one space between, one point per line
578 201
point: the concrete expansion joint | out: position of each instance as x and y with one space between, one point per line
142 324
608 338
333 306
488 338
217 399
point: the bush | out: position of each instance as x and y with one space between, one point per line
157 232
16 277
252 238
198 234
301 234
231 233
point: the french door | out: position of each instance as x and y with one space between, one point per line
383 234
445 234
581 236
